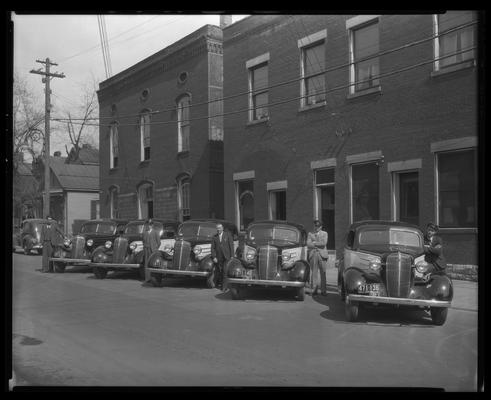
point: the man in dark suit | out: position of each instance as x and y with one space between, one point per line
151 243
51 235
434 249
222 250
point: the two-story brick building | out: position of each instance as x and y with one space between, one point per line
161 156
350 117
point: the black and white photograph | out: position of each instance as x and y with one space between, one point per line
245 201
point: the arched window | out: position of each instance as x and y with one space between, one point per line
183 124
145 200
114 146
184 197
145 135
113 202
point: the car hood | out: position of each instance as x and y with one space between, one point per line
384 250
279 246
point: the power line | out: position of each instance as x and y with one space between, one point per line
401 70
287 82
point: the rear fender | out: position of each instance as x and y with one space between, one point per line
353 278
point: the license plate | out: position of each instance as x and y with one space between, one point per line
372 289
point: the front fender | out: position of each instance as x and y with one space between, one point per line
100 255
234 268
300 271
156 259
352 279
138 257
206 264
440 287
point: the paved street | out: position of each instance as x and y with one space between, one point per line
72 329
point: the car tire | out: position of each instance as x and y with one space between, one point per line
156 280
351 309
236 295
59 267
100 273
438 315
300 293
341 290
141 272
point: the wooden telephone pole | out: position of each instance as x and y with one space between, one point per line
47 75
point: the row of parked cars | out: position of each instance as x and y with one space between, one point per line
382 262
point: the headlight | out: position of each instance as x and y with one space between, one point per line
132 245
250 253
374 265
168 248
285 256
422 267
67 242
108 244
157 262
197 250
90 242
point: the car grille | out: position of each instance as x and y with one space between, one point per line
182 254
78 246
120 246
267 262
398 274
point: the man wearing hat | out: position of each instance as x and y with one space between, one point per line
434 248
50 238
151 243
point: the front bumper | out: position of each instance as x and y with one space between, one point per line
163 271
264 282
115 266
84 261
397 300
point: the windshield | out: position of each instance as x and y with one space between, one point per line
268 234
134 228
389 237
98 227
194 230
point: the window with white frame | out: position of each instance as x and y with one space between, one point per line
114 146
457 188
313 84
184 186
456 37
183 124
364 191
364 46
113 202
145 135
145 200
258 87
245 202
277 204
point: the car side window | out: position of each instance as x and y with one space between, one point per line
350 239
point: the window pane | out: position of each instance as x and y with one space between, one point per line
366 43
365 184
314 59
185 137
260 77
451 19
324 176
457 182
315 90
260 105
409 198
279 208
366 73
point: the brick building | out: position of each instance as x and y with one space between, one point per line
161 156
354 117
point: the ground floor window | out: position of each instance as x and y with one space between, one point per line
277 204
145 200
184 189
324 202
365 191
457 188
406 192
245 201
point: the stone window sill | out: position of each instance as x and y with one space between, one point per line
312 106
454 68
257 121
366 92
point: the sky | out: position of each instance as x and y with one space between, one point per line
73 42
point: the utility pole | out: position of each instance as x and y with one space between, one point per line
47 101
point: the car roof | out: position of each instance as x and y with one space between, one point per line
214 220
357 224
35 220
278 222
162 221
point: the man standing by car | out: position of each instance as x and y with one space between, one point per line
151 243
316 242
434 249
222 250
50 238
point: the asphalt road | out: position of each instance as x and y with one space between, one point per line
72 329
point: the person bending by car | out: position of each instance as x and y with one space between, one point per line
151 243
222 250
434 249
50 239
317 256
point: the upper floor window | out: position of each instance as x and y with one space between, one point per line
455 41
364 45
183 124
145 135
114 146
258 82
457 188
313 79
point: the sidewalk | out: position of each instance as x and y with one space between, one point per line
465 292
